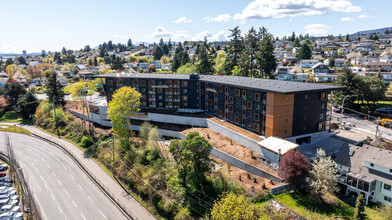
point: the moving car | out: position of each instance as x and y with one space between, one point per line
385 110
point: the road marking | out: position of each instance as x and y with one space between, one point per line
51 153
74 204
57 159
59 182
102 214
52 196
90 199
59 209
36 170
81 188
64 167
55 175
43 159
66 192
48 166
32 163
46 186
72 177
41 177
82 216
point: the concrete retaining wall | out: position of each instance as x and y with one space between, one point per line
281 189
243 165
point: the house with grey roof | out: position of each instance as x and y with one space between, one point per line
366 170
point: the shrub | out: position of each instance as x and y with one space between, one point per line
248 175
86 142
239 177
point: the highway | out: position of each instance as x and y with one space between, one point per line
62 189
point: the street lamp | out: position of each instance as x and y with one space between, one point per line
341 117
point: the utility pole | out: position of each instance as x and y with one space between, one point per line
55 119
113 156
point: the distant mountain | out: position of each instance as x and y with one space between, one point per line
380 30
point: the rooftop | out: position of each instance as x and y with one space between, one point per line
275 144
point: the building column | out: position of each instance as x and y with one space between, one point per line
367 197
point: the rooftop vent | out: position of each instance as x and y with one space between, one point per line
351 152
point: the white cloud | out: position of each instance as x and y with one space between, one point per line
219 18
200 36
264 9
317 29
182 35
220 36
7 48
115 35
362 16
347 19
182 20
161 32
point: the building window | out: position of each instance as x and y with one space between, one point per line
220 114
322 105
321 116
306 96
323 96
185 91
110 82
231 109
142 83
321 126
250 105
256 127
304 117
236 119
244 93
286 120
226 89
257 96
287 99
185 98
237 92
231 100
257 117
185 84
287 109
388 199
387 187
285 131
306 107
220 88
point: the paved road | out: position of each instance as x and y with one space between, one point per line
62 189
361 124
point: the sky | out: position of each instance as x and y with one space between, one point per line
50 25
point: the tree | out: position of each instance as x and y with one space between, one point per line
293 167
250 51
63 51
21 60
34 71
158 53
76 89
331 62
53 89
152 69
184 57
188 68
169 44
125 102
12 92
359 211
304 53
268 60
324 175
129 43
296 43
27 104
117 64
205 65
95 61
234 50
194 162
349 79
232 207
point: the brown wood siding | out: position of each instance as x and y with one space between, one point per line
279 115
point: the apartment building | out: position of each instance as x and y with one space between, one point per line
263 106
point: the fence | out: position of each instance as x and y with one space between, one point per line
105 190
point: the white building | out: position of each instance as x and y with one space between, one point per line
308 63
366 170
386 59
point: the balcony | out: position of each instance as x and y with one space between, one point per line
169 100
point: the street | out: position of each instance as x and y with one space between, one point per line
62 189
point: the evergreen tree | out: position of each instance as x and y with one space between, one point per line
205 65
292 36
53 89
184 58
63 51
117 64
129 43
27 104
165 49
90 62
304 53
235 49
359 211
177 61
250 50
158 53
331 62
296 43
95 61
268 65
110 46
169 44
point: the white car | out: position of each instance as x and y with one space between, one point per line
17 216
13 202
6 208
15 209
14 197
6 215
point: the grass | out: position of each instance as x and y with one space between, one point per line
14 117
15 129
313 210
378 104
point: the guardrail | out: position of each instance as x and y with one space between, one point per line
105 190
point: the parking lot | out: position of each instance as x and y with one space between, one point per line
10 206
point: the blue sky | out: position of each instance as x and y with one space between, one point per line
50 25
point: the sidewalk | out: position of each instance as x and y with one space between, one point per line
109 183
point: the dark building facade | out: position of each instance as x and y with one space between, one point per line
265 107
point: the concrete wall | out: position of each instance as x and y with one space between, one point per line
243 165
280 189
175 119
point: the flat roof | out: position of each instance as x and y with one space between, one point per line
269 85
275 144
144 75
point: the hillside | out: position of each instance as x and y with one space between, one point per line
380 30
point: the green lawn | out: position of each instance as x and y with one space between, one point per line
16 129
311 210
14 117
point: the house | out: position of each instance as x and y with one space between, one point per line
338 62
377 67
3 75
320 68
366 170
298 77
39 81
386 59
325 77
143 66
308 63
273 149
156 63
81 66
387 76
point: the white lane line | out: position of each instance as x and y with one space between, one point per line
81 188
82 216
74 204
102 214
90 199
32 163
66 192
57 159
64 167
72 177
54 175
52 196
59 182
51 153
46 186
41 177
36 170
48 166
59 209
43 159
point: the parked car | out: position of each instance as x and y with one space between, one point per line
17 216
6 179
3 167
8 184
336 109
15 208
3 174
13 202
6 208
14 197
6 215
385 110
4 202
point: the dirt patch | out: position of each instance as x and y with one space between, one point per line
231 147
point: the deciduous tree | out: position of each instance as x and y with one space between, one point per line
12 91
293 167
233 207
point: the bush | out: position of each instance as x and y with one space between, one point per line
262 196
86 142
